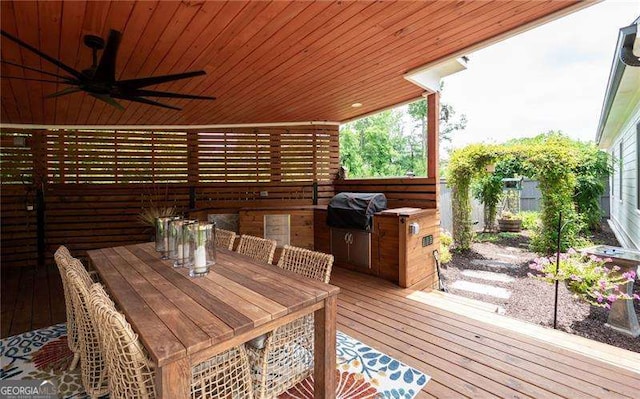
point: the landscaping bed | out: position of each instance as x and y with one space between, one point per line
495 270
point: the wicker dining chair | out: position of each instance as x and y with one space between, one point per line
132 373
63 257
261 249
92 365
285 356
225 238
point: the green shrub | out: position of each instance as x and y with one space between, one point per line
494 237
445 247
530 220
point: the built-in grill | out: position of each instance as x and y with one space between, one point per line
350 217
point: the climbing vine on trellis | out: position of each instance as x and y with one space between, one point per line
570 176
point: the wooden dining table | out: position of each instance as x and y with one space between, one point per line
183 321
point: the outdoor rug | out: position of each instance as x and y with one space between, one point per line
362 371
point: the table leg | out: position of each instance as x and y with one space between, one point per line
173 380
325 350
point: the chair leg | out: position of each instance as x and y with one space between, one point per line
74 362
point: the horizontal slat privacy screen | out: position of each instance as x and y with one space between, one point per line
260 155
86 156
16 158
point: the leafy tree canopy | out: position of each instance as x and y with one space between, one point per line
383 144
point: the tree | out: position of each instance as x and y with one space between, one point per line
449 123
379 145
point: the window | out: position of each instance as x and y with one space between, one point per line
620 172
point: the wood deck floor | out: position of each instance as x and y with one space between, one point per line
468 351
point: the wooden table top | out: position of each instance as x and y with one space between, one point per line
176 315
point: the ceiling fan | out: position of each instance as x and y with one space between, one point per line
99 80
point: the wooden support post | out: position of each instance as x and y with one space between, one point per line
193 167
433 130
173 380
39 176
324 373
433 141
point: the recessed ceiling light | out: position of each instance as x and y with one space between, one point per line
356 105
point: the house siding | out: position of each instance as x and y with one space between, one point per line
625 208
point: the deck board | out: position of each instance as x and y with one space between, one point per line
440 343
466 354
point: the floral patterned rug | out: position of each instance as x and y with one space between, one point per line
362 371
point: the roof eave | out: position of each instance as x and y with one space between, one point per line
615 76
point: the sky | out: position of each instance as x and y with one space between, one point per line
552 77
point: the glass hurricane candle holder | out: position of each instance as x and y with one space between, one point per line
162 235
163 242
175 229
202 248
181 255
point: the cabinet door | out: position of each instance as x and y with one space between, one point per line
340 244
360 250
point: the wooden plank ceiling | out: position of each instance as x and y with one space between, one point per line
265 61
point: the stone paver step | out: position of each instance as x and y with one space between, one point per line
494 263
490 276
482 289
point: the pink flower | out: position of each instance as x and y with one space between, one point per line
603 284
636 297
606 305
594 258
575 278
599 297
612 298
615 267
536 266
630 275
607 260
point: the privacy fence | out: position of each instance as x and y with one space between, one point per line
530 200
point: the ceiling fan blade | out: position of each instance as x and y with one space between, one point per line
34 69
107 99
154 80
153 93
40 80
64 92
106 70
147 101
52 60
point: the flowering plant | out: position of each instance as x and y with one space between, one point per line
587 276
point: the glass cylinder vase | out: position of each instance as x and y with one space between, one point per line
162 235
202 248
175 230
163 231
181 246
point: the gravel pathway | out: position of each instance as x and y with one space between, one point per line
489 270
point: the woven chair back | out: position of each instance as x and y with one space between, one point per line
311 264
131 373
258 248
92 365
63 257
225 239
